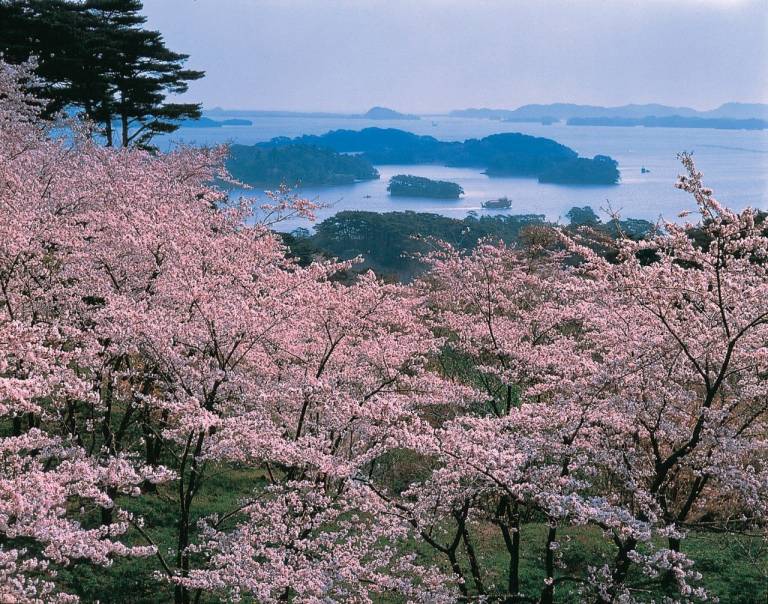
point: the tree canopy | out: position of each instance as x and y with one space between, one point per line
297 165
407 185
505 154
95 57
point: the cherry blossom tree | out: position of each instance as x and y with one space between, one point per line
46 473
621 395
155 334
186 339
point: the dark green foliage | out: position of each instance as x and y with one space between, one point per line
300 247
389 242
582 216
380 145
512 154
95 57
407 185
507 154
633 228
582 171
292 164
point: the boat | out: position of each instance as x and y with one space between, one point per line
644 170
502 203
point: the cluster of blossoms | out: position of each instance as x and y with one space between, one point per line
154 333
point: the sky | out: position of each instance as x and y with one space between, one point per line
425 56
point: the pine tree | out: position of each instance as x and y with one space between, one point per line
96 57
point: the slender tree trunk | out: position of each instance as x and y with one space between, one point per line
548 593
456 568
621 566
509 524
187 492
473 565
123 120
124 128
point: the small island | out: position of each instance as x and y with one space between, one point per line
407 185
297 164
383 113
599 170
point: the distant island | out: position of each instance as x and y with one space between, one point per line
534 113
674 121
297 164
206 122
566 111
407 185
581 171
382 113
374 113
506 154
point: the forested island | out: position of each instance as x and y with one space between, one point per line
674 121
307 165
407 185
581 171
506 154
347 156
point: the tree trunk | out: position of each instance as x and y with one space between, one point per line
548 593
512 542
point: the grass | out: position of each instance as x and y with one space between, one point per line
735 569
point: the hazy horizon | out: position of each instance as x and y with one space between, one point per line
445 112
345 56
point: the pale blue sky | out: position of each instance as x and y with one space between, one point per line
435 55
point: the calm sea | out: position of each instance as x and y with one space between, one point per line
734 163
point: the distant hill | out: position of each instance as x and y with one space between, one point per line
506 154
382 113
565 111
739 111
374 113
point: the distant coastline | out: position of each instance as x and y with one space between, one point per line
568 111
674 121
534 113
374 113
